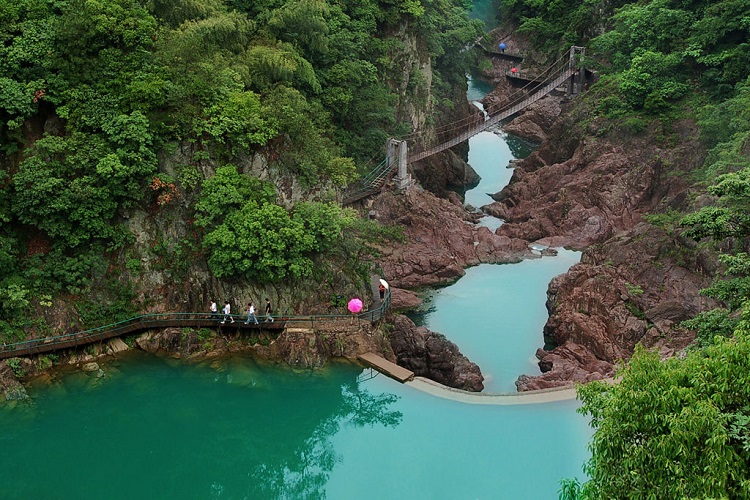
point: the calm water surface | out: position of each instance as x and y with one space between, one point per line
489 156
155 428
496 313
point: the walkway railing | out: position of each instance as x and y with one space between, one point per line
369 184
181 320
496 118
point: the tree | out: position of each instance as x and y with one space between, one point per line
250 236
675 428
239 120
227 192
264 242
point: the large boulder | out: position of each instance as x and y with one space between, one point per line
431 355
11 388
623 293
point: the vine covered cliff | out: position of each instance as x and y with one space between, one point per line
157 155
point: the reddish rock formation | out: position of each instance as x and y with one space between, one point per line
635 282
588 187
404 299
615 298
429 354
442 240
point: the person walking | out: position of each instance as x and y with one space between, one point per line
251 314
269 318
381 289
214 310
227 313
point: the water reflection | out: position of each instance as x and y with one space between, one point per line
304 472
231 429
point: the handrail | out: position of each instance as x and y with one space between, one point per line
495 118
174 319
370 183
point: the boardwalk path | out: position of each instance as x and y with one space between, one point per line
144 322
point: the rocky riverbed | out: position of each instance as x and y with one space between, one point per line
587 187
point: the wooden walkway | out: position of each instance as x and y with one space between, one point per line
144 322
132 326
386 367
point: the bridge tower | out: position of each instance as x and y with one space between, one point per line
576 82
396 152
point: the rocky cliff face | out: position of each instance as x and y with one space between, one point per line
442 239
588 188
633 288
579 189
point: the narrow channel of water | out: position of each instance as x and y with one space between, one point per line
496 314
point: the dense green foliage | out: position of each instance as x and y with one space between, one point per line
727 221
650 53
95 94
674 428
252 237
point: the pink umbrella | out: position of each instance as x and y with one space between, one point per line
514 70
354 305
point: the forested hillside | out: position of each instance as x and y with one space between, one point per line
193 109
676 429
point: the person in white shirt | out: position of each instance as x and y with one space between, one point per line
227 313
251 314
214 310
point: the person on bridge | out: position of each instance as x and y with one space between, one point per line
251 314
227 313
269 318
214 310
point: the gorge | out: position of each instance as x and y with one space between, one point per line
157 158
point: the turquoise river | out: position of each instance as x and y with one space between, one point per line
237 429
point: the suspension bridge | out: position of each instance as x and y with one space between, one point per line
421 145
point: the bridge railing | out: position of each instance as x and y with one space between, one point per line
176 319
495 118
458 131
370 183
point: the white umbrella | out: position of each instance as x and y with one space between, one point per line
384 283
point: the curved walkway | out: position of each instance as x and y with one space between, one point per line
184 320
480 398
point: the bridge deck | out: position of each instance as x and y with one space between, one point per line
386 367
